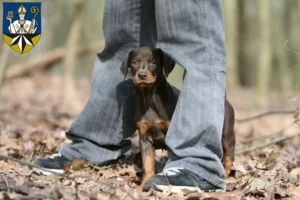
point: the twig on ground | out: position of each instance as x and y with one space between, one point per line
43 145
5 180
274 141
73 178
281 112
14 189
30 197
94 167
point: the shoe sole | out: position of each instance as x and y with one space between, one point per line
182 189
48 172
177 189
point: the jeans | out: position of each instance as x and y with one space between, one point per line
192 33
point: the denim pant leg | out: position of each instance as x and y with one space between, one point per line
192 33
98 132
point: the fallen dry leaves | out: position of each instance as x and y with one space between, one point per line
31 125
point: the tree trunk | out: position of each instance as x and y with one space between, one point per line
264 63
53 22
280 36
247 42
231 27
69 98
295 29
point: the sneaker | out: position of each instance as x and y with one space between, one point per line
54 163
178 180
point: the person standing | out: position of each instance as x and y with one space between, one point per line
191 32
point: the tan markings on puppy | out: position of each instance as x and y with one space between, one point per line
138 58
135 78
162 124
143 126
150 77
145 84
148 166
227 162
150 59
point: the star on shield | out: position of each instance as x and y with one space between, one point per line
22 41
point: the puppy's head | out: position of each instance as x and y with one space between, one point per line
147 65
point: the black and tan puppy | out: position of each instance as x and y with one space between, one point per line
156 102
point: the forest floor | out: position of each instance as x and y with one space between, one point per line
32 125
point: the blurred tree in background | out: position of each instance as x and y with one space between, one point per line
264 58
256 31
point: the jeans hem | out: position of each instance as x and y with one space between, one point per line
66 153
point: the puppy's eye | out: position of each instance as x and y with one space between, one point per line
134 62
152 63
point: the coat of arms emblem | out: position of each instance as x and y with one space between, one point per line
22 25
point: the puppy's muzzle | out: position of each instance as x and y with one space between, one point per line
142 76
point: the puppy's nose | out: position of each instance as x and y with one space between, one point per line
142 75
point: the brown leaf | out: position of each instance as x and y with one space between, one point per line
239 167
259 187
14 153
215 195
79 163
5 196
67 182
295 173
58 194
272 160
103 196
67 167
5 166
296 192
231 183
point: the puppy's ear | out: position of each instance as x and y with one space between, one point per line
167 62
126 65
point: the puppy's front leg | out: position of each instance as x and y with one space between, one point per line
148 160
227 162
147 150
162 125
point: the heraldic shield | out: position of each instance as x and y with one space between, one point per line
22 25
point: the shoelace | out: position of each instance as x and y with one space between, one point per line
170 171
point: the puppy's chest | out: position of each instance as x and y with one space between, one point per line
152 120
150 114
153 128
151 111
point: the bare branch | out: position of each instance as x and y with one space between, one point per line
274 141
294 63
270 134
281 112
13 189
47 59
30 197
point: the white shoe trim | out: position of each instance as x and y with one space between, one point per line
184 189
179 189
170 171
55 155
48 172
